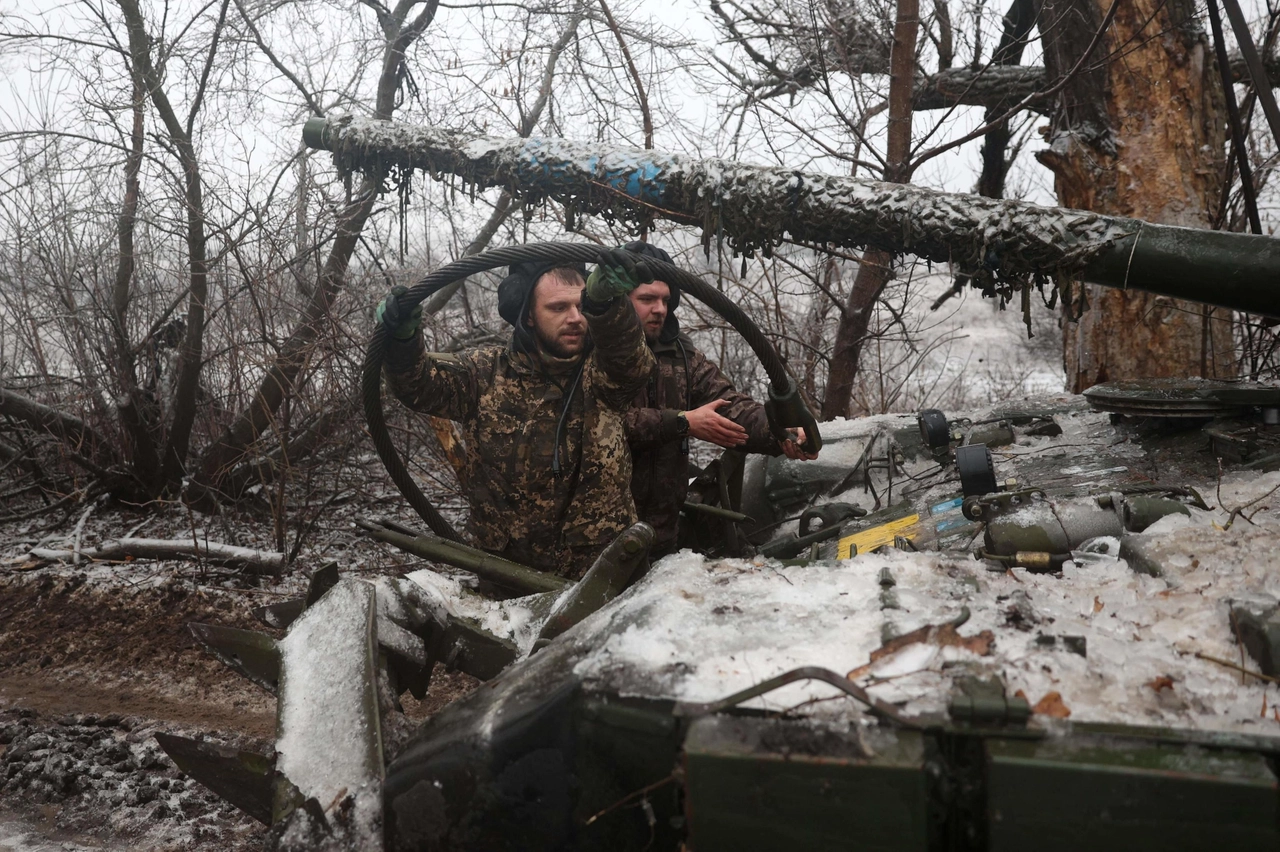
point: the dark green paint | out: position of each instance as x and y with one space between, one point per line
1104 794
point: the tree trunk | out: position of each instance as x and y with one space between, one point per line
875 269
229 449
191 350
137 414
1018 23
1139 131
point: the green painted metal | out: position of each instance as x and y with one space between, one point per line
613 570
469 648
243 778
717 512
1257 625
765 784
321 580
1141 511
1212 267
247 652
495 569
985 703
1107 794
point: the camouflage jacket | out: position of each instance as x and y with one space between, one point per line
683 379
509 404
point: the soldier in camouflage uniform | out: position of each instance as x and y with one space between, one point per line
547 466
686 396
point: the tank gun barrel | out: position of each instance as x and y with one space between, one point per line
756 207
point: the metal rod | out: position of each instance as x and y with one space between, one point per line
827 676
495 569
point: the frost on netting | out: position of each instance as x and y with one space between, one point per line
751 207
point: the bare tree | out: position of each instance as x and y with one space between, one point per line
180 130
401 27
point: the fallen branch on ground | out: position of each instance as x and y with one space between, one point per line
256 561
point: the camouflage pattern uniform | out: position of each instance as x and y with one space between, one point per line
509 402
684 379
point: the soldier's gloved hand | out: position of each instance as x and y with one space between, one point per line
398 325
617 273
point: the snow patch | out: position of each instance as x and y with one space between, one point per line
698 630
328 719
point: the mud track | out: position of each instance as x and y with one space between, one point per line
89 672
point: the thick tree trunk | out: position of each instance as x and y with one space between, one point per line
1141 134
79 436
137 414
191 351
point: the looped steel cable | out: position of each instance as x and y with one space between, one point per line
375 354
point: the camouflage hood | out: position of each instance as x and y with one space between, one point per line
670 328
515 294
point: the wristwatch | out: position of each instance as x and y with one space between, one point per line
682 425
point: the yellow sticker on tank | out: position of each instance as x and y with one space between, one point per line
866 541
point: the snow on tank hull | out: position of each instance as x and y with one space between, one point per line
1138 738
979 706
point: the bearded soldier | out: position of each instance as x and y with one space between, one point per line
547 467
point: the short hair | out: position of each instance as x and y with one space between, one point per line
565 275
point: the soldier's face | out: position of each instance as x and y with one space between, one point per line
556 315
650 301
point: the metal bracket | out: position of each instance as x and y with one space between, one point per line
985 507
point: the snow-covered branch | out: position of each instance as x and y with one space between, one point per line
256 561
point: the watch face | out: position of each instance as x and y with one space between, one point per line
682 425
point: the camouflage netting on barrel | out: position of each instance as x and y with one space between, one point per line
753 208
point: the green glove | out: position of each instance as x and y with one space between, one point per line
390 314
617 273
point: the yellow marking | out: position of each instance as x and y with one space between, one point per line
866 541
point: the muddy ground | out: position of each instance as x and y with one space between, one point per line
95 660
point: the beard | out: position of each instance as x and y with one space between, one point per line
558 346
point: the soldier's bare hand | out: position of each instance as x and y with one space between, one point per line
791 448
706 424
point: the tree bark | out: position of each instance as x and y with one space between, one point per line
876 267
137 414
253 561
1018 23
71 430
1143 136
998 84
